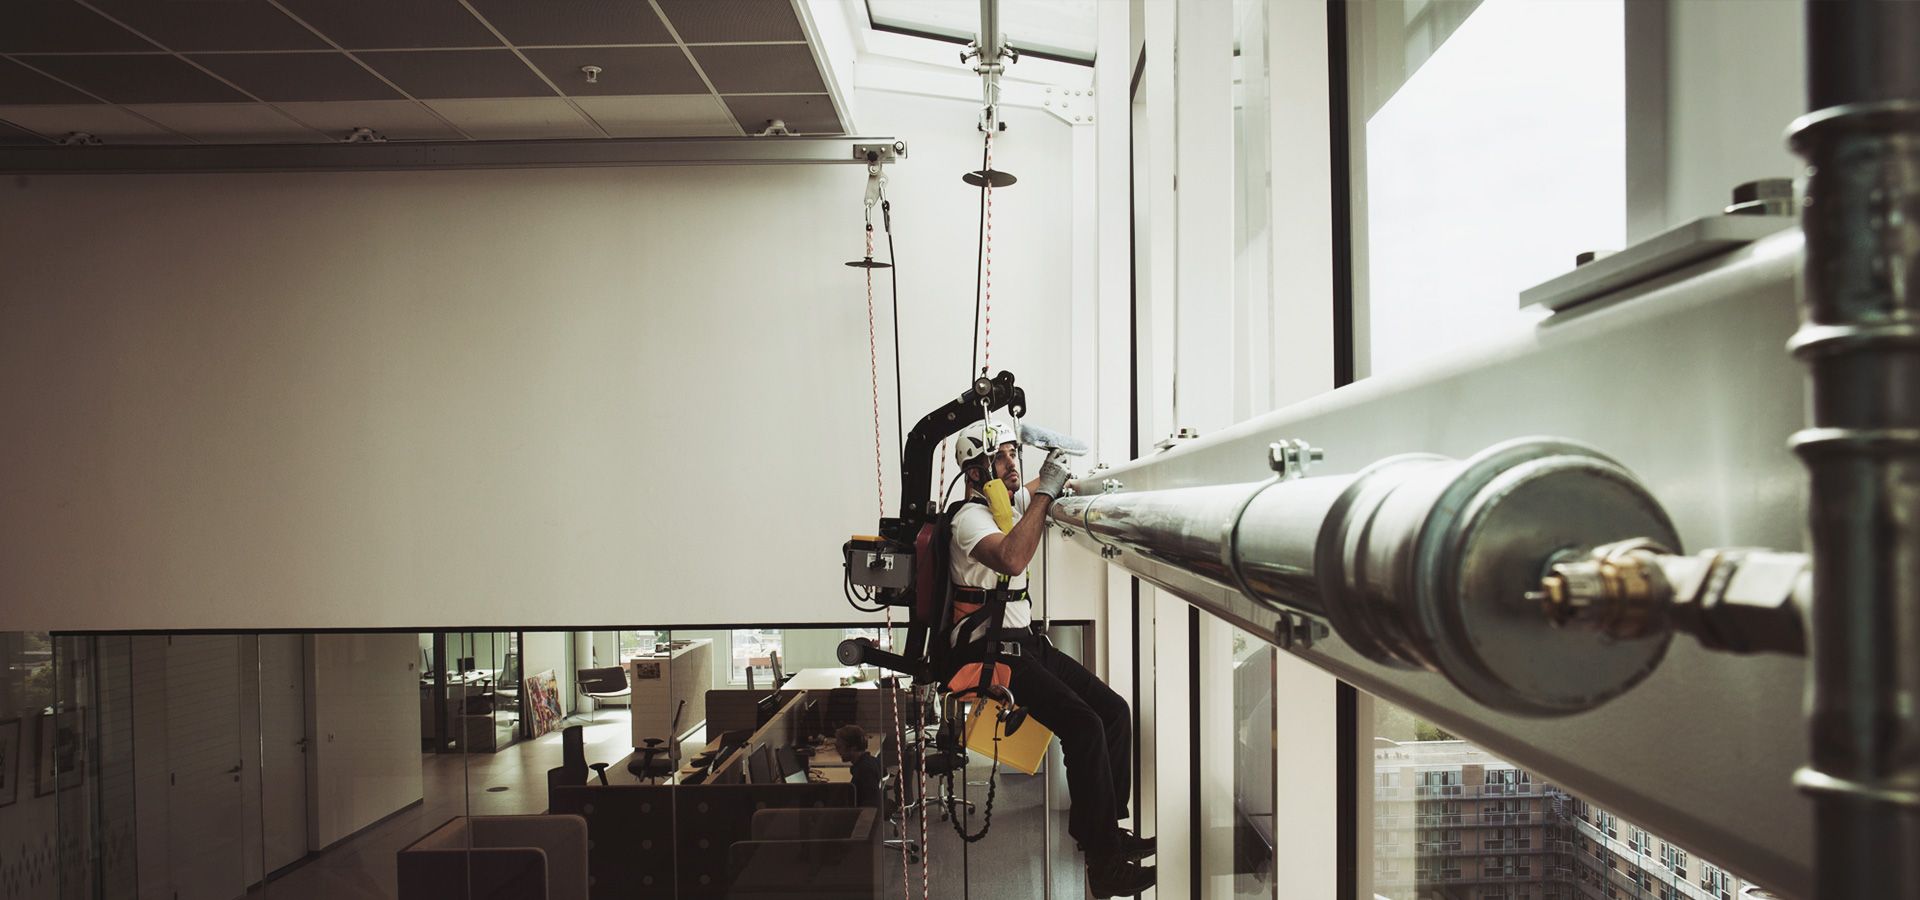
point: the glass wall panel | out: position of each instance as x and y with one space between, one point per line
1252 184
1255 767
216 766
1454 822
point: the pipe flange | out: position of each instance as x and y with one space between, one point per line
1492 528
1368 622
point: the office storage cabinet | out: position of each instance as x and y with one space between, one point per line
662 682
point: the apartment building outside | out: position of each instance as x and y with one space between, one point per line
1453 822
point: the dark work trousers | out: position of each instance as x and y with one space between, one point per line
1095 729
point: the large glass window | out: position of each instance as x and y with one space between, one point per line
1475 825
1488 149
638 643
1255 767
753 647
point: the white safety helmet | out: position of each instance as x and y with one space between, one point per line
982 439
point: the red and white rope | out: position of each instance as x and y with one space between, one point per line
886 636
986 355
873 371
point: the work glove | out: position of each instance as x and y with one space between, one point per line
1053 474
1035 436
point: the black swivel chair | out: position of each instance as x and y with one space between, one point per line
941 744
654 759
573 762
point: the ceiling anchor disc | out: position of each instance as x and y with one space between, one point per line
985 177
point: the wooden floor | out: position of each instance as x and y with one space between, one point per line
362 867
1010 863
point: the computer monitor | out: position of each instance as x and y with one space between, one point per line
760 765
765 707
789 763
730 772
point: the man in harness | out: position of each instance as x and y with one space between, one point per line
994 535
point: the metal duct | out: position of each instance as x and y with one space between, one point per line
1418 561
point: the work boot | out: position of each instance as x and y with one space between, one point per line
1134 847
1112 875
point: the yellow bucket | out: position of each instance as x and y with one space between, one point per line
1025 750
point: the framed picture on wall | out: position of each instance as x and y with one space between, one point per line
61 745
9 761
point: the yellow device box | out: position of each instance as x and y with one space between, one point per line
1025 750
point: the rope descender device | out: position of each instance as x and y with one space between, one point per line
876 196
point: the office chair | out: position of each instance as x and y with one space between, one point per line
649 763
891 786
573 762
603 683
944 754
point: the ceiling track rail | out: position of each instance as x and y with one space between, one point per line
398 156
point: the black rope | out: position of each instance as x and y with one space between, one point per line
899 418
993 785
980 258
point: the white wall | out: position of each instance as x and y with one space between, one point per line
504 398
363 697
543 650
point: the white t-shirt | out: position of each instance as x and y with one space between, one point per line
970 525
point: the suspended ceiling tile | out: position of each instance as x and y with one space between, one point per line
395 120
526 118
803 113
702 21
110 124
228 123
138 79
624 70
761 69
61 26
440 74
394 24
14 136
19 84
212 24
298 76
528 23
683 115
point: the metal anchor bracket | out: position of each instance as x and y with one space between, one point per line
1291 459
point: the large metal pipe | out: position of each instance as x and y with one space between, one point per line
1418 561
1860 341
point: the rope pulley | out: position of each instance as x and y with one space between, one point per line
876 195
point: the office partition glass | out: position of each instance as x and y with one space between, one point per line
285 765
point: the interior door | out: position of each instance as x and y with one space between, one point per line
206 846
283 739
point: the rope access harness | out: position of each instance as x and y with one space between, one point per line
981 347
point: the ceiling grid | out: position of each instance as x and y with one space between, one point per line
311 71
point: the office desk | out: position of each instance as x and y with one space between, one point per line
824 756
826 679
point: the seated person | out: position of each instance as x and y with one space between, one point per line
851 743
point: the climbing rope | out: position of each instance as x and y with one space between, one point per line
873 371
986 260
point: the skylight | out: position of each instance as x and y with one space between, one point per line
1061 29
